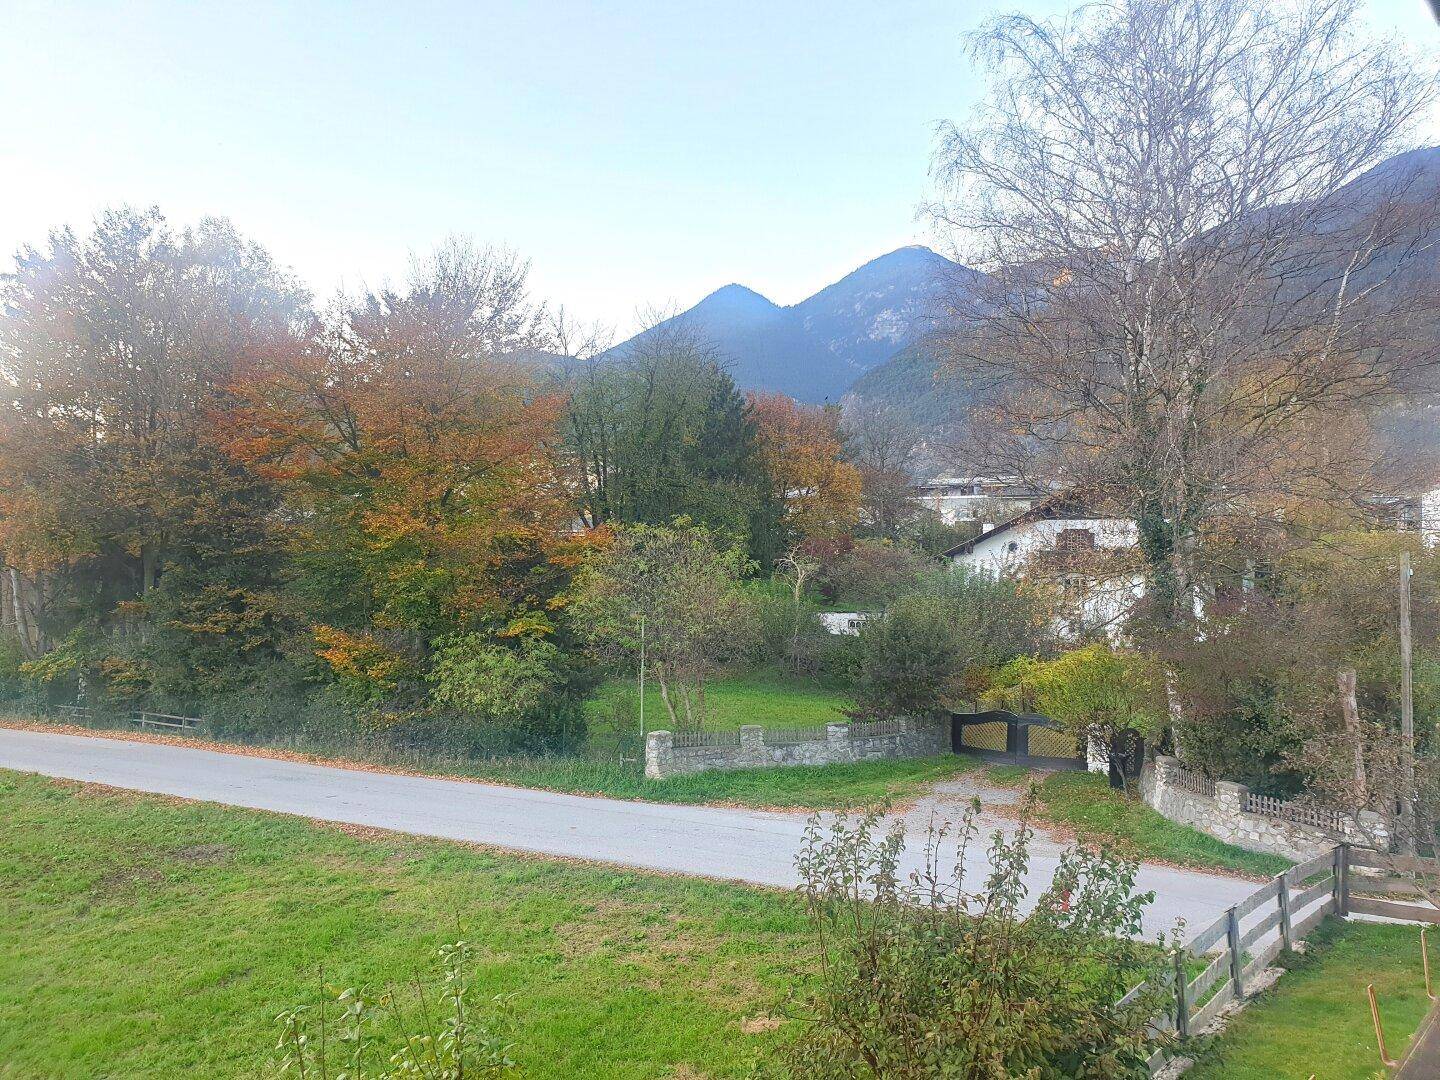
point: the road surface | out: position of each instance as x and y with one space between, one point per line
740 845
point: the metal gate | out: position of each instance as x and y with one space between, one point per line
1015 738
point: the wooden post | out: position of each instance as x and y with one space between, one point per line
1407 717
1232 937
1342 879
1182 995
1286 938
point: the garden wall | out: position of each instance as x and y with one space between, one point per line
1231 812
753 747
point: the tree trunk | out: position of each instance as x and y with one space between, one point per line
664 680
1346 680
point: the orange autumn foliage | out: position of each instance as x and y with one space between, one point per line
802 450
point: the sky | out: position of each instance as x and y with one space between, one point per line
641 154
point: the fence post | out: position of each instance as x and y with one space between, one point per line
1283 881
1342 879
1182 995
1232 936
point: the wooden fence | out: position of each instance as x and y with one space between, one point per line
1386 875
1242 943
140 718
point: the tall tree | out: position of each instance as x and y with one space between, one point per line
884 446
661 433
118 509
1186 271
423 464
803 454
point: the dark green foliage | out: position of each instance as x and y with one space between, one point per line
663 433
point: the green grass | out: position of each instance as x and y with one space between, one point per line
145 937
1086 803
1316 1019
762 696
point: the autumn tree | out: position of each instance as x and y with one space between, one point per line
802 452
1189 261
424 469
121 517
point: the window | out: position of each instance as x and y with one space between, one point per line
1012 547
1075 540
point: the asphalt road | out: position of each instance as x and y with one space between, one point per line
741 845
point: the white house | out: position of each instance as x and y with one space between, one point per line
1080 548
975 498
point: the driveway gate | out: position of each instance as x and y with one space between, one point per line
1016 739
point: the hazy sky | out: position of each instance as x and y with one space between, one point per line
640 153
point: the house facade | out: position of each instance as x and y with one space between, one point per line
1086 554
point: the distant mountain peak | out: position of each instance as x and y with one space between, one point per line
736 294
815 349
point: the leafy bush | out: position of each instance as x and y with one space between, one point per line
789 632
447 1044
1096 693
871 573
930 647
920 977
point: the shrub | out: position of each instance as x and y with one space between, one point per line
920 977
872 573
448 1043
929 648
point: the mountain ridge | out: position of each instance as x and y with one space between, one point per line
816 348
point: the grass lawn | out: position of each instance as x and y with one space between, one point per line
1316 1019
146 937
762 696
1085 802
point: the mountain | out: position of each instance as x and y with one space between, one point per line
816 349
907 383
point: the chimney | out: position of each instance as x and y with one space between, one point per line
986 526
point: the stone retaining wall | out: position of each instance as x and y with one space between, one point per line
915 738
1224 816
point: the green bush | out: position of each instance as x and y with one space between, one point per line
923 976
343 1041
929 648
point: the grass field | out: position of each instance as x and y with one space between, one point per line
1086 804
761 696
1316 1019
145 937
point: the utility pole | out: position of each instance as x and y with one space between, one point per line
1407 716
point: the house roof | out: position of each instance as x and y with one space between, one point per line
1063 505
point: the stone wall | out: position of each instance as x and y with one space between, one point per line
841 743
1168 788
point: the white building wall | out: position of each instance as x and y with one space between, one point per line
1104 606
1006 550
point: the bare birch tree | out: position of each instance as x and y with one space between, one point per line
1192 270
